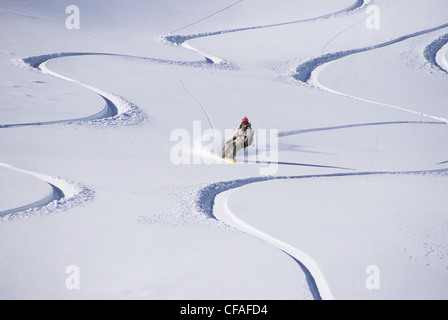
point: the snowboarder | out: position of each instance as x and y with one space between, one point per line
241 140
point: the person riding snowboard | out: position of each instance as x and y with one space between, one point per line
241 140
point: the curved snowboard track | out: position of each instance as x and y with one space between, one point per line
212 201
308 71
65 194
182 39
435 53
304 70
118 111
315 279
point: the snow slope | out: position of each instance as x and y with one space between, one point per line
88 178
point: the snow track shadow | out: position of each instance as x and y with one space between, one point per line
285 163
65 195
309 278
348 126
432 50
55 195
109 111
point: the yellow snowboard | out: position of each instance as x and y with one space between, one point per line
229 160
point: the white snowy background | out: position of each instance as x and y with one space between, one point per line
357 208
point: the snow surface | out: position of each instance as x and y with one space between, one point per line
87 122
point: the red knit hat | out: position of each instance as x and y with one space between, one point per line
245 119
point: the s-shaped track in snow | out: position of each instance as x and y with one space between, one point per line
308 71
118 111
182 39
212 201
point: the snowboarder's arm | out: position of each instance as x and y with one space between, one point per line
234 136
